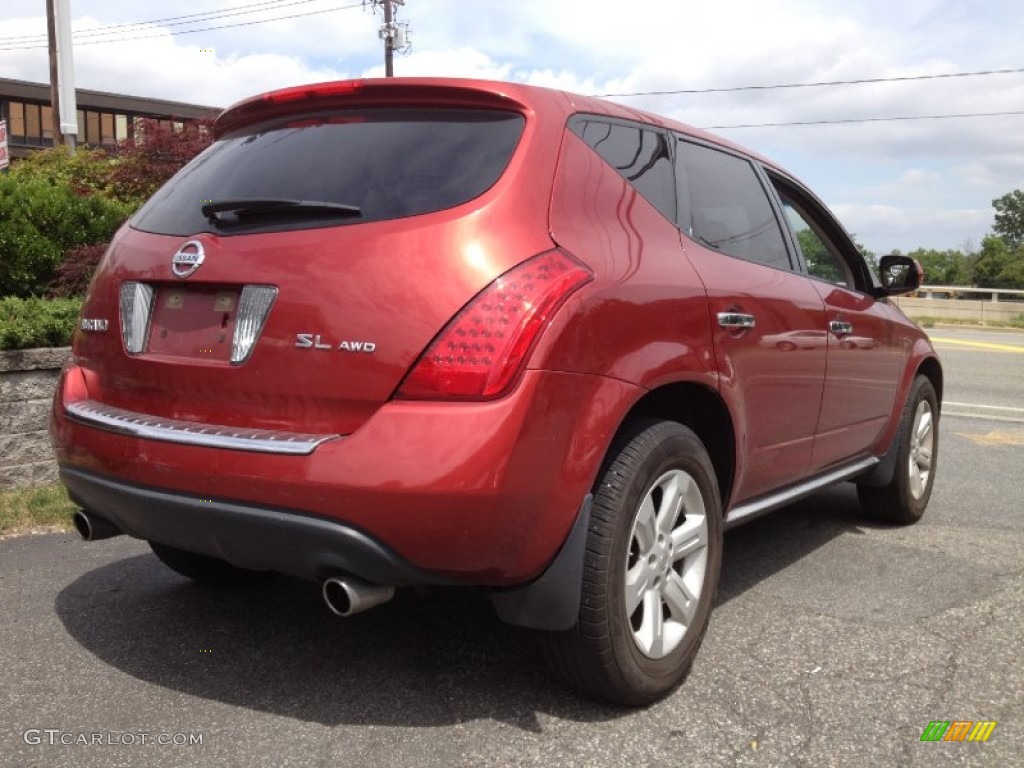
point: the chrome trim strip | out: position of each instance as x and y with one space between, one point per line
94 414
758 507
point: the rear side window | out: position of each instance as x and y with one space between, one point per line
386 163
728 207
641 156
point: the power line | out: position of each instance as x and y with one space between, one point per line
851 120
190 31
109 29
860 81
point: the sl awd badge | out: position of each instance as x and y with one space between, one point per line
315 341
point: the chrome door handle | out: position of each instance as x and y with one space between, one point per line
840 327
734 320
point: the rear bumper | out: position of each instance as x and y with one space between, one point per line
423 492
254 537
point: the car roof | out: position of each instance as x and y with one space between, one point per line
544 102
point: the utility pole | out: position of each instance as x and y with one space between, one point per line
51 36
389 41
395 35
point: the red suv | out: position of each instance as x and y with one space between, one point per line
451 332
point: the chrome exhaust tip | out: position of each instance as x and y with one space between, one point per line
346 596
92 528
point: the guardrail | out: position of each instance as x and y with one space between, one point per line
964 303
961 292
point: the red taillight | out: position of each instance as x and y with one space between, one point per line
274 102
314 91
481 351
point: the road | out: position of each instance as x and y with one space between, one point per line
834 643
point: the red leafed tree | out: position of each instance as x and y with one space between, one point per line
154 154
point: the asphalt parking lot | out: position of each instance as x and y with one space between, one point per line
835 642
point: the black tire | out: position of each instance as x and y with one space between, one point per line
211 571
602 656
905 498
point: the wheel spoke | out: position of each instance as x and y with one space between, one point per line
924 456
637 585
645 528
652 628
924 424
690 537
672 495
682 605
915 483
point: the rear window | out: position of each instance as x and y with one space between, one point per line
387 163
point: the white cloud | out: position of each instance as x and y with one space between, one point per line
884 228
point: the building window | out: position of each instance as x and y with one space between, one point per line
92 127
17 127
33 125
48 125
107 126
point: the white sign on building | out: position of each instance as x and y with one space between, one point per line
5 159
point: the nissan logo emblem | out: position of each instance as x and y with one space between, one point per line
188 259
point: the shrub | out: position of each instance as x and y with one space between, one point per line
72 276
40 222
55 208
85 172
28 323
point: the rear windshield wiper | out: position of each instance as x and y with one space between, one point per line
244 208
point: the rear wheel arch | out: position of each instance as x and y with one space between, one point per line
701 410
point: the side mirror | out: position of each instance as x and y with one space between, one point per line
900 274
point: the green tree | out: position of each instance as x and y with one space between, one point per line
1010 217
999 265
943 267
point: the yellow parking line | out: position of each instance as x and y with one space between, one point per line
979 344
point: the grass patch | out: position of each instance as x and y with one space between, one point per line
926 321
41 508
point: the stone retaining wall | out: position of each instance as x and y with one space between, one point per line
27 381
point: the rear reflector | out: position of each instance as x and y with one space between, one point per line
136 304
482 350
253 308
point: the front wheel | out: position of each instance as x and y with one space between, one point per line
904 499
654 553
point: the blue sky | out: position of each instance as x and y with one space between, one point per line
895 184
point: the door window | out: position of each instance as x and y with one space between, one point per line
820 256
728 208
